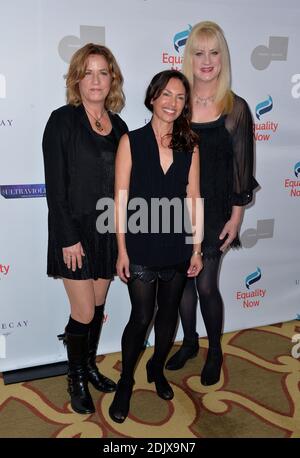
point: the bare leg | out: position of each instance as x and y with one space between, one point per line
82 299
100 290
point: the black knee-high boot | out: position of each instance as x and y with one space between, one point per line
77 349
98 380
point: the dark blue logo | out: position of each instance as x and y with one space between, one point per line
22 191
181 37
297 169
253 278
263 107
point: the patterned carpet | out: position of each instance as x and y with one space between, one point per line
258 396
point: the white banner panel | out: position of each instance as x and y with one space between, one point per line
260 283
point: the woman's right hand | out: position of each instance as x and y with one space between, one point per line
196 265
72 256
123 267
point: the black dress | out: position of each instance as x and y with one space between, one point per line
226 173
79 170
157 250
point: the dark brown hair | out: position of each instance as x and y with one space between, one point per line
183 138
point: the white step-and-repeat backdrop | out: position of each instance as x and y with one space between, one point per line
260 283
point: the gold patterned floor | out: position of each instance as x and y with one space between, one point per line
258 396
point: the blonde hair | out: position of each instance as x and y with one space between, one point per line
211 30
115 100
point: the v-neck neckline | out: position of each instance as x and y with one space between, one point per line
158 155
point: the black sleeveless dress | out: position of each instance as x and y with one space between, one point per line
79 170
226 171
156 250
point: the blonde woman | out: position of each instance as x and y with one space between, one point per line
223 123
79 145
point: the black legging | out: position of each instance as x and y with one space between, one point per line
143 297
210 303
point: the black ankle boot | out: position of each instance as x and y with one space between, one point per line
119 408
162 386
77 348
212 367
98 380
189 349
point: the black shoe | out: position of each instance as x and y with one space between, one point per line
81 400
162 386
119 408
77 347
212 367
187 351
98 380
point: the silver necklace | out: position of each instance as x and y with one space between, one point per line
204 100
97 120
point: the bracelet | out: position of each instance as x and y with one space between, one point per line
199 253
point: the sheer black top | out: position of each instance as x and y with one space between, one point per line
226 170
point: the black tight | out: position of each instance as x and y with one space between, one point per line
143 298
210 303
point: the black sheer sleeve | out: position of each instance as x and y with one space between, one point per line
240 125
55 145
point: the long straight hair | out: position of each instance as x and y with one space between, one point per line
208 30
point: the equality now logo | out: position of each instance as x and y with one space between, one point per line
2 87
264 130
88 34
250 299
179 41
181 37
293 186
277 49
4 269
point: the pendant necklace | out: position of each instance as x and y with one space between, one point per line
203 100
98 124
161 139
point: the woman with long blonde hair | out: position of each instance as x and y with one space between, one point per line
223 123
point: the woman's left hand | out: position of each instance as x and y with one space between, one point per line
231 229
196 265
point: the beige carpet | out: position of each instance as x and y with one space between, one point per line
258 396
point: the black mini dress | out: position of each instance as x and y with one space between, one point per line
226 171
157 254
79 170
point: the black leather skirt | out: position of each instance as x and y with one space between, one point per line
150 274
